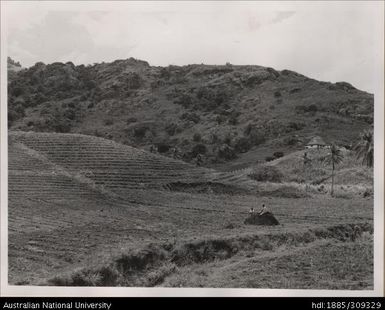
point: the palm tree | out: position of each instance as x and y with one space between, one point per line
364 148
334 158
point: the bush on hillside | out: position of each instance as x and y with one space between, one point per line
278 154
312 108
220 119
254 135
108 121
291 141
198 149
193 117
266 174
295 90
163 147
277 94
295 126
226 152
133 80
242 145
197 137
171 129
212 98
140 130
184 100
284 191
131 120
233 120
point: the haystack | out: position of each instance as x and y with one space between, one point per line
266 219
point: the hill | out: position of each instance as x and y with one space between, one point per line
231 115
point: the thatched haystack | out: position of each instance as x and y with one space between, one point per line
267 219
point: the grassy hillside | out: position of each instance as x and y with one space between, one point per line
350 171
228 114
84 211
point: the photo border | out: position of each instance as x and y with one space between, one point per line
35 291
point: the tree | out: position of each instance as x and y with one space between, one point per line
364 148
334 158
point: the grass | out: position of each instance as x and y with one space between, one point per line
167 264
63 228
323 265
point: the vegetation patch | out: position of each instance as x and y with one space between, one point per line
207 188
152 264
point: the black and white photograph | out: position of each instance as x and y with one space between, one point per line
192 147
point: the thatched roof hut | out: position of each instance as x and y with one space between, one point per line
317 142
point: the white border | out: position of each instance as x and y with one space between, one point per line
29 291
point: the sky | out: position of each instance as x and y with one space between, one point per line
329 41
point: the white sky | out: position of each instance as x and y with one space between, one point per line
328 41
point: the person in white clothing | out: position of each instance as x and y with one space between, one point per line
264 210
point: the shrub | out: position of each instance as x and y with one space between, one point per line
295 90
197 137
295 126
62 125
233 120
184 100
291 141
198 149
312 108
226 152
227 139
108 121
191 117
267 174
242 145
255 136
163 147
134 81
140 131
171 129
285 191
220 119
367 193
277 94
131 120
70 113
278 154
213 98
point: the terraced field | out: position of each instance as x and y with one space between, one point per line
78 203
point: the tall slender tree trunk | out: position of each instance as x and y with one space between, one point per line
332 191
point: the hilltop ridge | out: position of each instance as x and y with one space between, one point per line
222 112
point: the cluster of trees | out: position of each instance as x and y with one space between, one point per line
364 149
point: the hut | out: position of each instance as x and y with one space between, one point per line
317 143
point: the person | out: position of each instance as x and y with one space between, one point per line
264 210
175 154
306 159
199 160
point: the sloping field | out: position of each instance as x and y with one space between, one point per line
107 163
78 202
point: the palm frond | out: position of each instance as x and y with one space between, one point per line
364 148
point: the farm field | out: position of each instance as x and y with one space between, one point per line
89 211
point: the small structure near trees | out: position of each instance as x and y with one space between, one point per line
317 143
